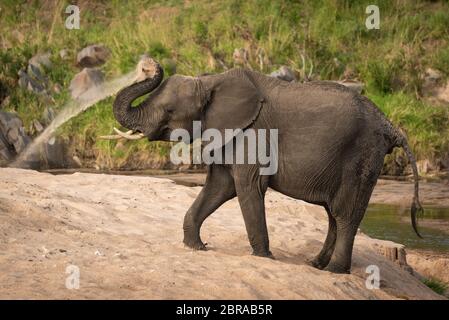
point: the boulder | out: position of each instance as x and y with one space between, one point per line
48 115
4 102
63 53
54 154
92 56
3 92
37 126
240 56
84 80
41 60
36 73
442 93
13 138
32 78
284 73
31 84
432 75
434 88
352 84
77 161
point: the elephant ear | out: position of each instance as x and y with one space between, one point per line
235 103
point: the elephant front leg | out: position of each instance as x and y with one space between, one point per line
251 199
219 188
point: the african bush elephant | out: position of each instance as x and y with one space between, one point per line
331 147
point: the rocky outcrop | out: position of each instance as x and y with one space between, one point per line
352 84
284 73
33 78
13 138
85 80
41 60
434 88
92 56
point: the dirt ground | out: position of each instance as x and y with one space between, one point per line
123 234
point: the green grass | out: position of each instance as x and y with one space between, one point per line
197 35
436 285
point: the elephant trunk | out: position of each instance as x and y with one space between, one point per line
132 117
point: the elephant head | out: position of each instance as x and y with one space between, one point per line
224 101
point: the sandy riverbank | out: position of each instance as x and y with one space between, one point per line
124 233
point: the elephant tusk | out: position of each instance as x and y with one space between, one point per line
128 135
111 137
114 136
122 135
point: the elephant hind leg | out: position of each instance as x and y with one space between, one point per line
323 258
349 212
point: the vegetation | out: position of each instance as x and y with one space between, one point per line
436 285
200 36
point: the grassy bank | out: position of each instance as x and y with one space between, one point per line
200 36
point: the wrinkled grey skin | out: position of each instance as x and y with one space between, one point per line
332 144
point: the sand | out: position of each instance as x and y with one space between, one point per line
401 192
124 234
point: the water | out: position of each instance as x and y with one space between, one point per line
73 108
390 222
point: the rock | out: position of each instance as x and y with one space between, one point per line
92 56
63 54
84 80
57 88
29 83
240 56
36 73
395 253
5 102
77 161
424 166
41 60
442 93
432 75
54 153
13 138
433 88
32 78
37 126
351 84
3 92
48 115
284 73
349 73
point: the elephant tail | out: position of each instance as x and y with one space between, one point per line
416 207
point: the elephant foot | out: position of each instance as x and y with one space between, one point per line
337 268
195 244
264 254
318 263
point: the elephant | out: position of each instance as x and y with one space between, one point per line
331 147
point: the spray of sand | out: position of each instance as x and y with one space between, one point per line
73 108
